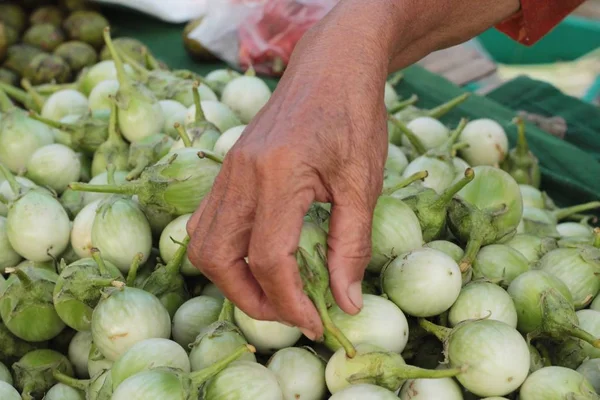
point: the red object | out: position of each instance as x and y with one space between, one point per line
267 39
536 18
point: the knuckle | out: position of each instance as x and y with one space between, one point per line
263 262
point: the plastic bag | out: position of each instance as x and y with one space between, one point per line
258 33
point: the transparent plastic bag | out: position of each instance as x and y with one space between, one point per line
260 33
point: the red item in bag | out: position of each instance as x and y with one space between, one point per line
268 39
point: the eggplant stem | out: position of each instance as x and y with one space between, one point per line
226 313
460 146
11 91
133 269
522 146
417 176
250 71
80 384
5 103
414 139
151 62
445 108
211 156
201 376
129 188
597 237
139 68
199 117
113 130
174 266
54 124
457 132
401 105
331 328
185 138
21 275
396 78
412 372
471 251
447 195
122 77
99 261
37 98
14 185
312 277
440 332
48 88
579 333
567 211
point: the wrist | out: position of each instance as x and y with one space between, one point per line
356 35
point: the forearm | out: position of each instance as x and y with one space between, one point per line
386 35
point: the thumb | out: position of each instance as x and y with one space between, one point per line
349 252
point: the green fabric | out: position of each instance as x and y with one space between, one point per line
570 175
542 98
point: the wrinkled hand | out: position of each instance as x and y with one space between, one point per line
321 137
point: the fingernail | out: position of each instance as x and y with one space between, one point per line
309 334
355 294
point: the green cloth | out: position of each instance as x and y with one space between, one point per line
544 99
570 174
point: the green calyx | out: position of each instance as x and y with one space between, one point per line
114 151
146 152
559 319
431 208
166 282
520 162
78 289
474 226
85 134
28 294
34 372
158 81
315 279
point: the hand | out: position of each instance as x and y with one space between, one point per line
322 137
